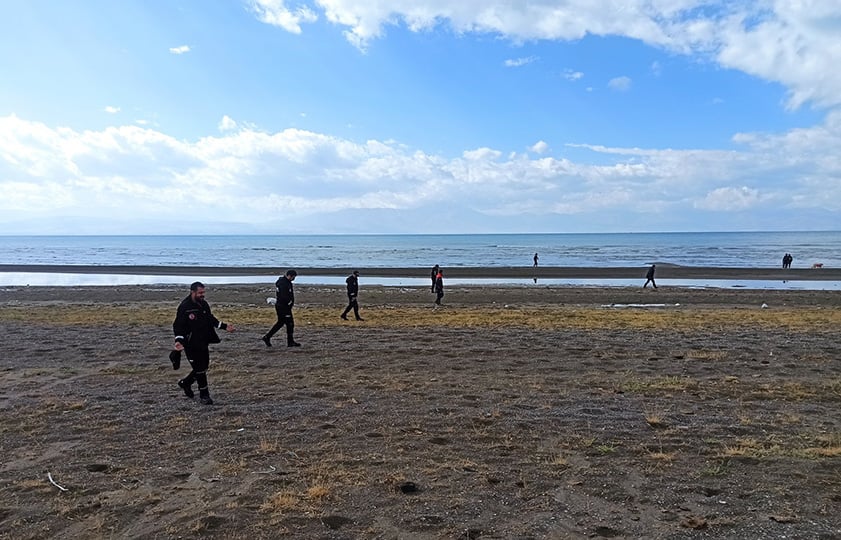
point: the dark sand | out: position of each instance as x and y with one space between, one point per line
510 412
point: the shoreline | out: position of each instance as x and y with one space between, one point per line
486 272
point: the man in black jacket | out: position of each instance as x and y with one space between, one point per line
649 276
352 294
195 328
283 307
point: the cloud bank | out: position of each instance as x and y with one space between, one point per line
300 181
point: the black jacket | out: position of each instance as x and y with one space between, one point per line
352 286
650 273
285 293
195 325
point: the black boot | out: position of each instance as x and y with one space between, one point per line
267 340
187 387
204 397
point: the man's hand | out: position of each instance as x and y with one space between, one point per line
179 346
229 327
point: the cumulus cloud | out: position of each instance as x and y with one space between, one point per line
180 49
728 199
518 62
227 124
793 43
111 109
571 75
620 84
263 179
275 13
539 147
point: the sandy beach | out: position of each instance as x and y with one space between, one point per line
509 412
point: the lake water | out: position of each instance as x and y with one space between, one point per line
715 249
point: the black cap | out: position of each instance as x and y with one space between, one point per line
356 272
291 272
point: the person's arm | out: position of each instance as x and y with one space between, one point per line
180 327
216 322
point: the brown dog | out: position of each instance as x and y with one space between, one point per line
817 265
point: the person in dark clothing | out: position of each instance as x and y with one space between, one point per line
439 286
433 275
283 307
785 261
535 259
649 277
352 294
195 328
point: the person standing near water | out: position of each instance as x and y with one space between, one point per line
439 286
194 329
283 307
649 277
535 259
433 275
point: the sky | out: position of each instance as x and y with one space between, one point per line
419 116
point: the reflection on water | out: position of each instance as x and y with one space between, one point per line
8 279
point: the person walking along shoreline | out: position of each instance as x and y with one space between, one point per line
194 329
283 307
352 296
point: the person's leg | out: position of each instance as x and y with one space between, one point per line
290 331
348 308
356 309
200 361
281 320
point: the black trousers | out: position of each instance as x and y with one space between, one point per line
199 358
284 317
353 304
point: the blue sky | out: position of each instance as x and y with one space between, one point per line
412 116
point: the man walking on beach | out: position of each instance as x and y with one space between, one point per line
352 293
433 275
283 307
439 286
535 259
194 329
649 276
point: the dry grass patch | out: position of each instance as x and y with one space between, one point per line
544 317
650 385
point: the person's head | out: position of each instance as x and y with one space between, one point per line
291 274
197 291
435 267
356 273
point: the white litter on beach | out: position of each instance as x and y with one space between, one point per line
271 300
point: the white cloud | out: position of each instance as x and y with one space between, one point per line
275 13
620 84
656 68
180 49
227 124
296 176
571 75
728 199
518 62
793 43
111 109
539 147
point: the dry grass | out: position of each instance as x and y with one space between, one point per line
545 317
